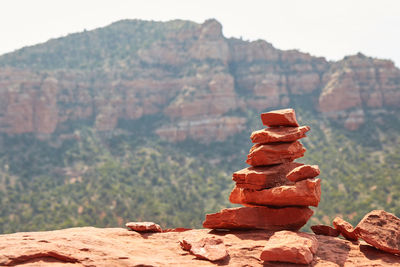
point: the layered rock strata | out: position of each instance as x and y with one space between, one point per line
275 190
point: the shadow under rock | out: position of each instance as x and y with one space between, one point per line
244 234
373 253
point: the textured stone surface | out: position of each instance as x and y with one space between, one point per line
261 155
303 193
143 226
287 246
280 117
279 134
380 229
345 229
290 218
303 172
325 230
264 177
90 246
208 248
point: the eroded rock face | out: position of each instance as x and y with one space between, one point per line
380 229
303 193
345 228
290 218
268 154
264 177
303 172
279 134
287 246
143 226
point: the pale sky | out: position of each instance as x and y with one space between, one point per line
332 29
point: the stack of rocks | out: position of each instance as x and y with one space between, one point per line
275 191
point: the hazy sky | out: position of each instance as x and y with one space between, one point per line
331 29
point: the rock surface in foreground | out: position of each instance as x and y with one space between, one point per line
208 248
286 246
289 218
380 229
88 246
262 155
303 193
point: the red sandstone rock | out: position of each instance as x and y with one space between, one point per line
89 246
345 228
303 172
286 246
325 230
279 134
264 177
280 117
303 193
380 229
261 155
143 226
208 248
290 218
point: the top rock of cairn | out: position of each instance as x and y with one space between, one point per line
273 202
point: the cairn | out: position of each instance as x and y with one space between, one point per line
275 190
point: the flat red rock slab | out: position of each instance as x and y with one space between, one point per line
143 226
303 172
208 248
380 229
287 246
268 154
321 229
279 134
303 193
281 117
345 228
264 177
273 219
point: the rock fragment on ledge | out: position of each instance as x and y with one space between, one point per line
345 228
143 227
208 248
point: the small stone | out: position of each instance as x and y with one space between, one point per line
272 219
287 246
380 229
262 155
281 117
325 230
208 248
303 172
279 134
265 176
303 193
143 227
345 228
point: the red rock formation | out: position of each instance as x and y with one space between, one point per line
208 248
88 246
279 134
268 154
345 228
303 172
281 117
324 230
264 177
286 246
290 218
303 193
380 229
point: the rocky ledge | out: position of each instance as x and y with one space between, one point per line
89 246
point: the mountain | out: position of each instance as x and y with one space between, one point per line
148 120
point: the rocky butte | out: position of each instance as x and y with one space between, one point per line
188 75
